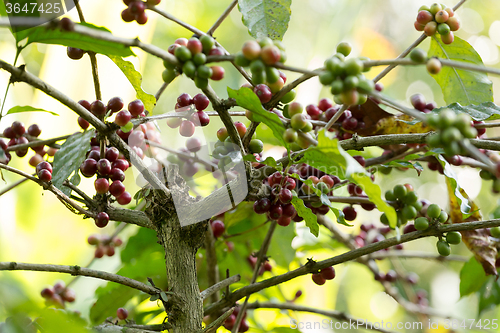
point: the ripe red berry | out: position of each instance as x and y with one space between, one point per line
360 159
98 108
18 128
122 118
104 167
112 154
74 53
101 185
122 313
328 273
127 16
136 108
93 239
187 128
241 128
263 92
288 210
89 167
101 219
34 130
217 73
44 175
284 220
200 118
116 188
124 199
318 279
44 165
350 123
110 251
349 213
47 292
9 133
121 164
270 54
218 228
83 123
285 195
184 100
115 104
275 212
313 111
200 102
194 45
324 104
262 206
68 295
137 7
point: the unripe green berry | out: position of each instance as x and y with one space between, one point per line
433 65
168 75
326 78
443 217
435 7
450 134
308 128
207 42
434 140
409 212
400 191
454 237
272 74
182 53
323 188
189 69
418 55
344 48
383 219
486 175
433 211
443 29
443 248
204 72
353 66
298 122
446 118
389 195
410 198
350 82
366 86
337 87
199 59
495 232
290 135
421 223
256 146
289 96
240 60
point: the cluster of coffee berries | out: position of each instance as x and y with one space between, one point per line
347 83
320 277
261 55
278 205
404 199
265 266
225 145
105 245
217 227
437 18
299 122
192 56
136 10
58 295
231 320
44 171
121 313
196 118
16 133
419 103
184 159
453 129
370 234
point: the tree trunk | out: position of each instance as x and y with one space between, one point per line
185 312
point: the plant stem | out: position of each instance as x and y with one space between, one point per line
221 19
77 270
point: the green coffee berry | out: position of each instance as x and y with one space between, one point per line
344 48
454 237
495 232
418 55
443 248
433 211
421 223
400 191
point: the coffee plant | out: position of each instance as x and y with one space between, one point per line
253 186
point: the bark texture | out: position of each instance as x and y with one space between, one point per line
185 312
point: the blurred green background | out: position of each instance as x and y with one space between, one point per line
35 227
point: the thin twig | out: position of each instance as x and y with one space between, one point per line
260 260
220 285
341 316
12 186
221 19
311 267
416 255
77 270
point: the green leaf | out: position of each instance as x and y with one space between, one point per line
242 218
483 111
404 164
280 248
324 199
451 177
489 295
144 240
458 85
68 159
472 277
306 213
266 18
247 99
44 35
27 108
135 78
329 157
269 161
